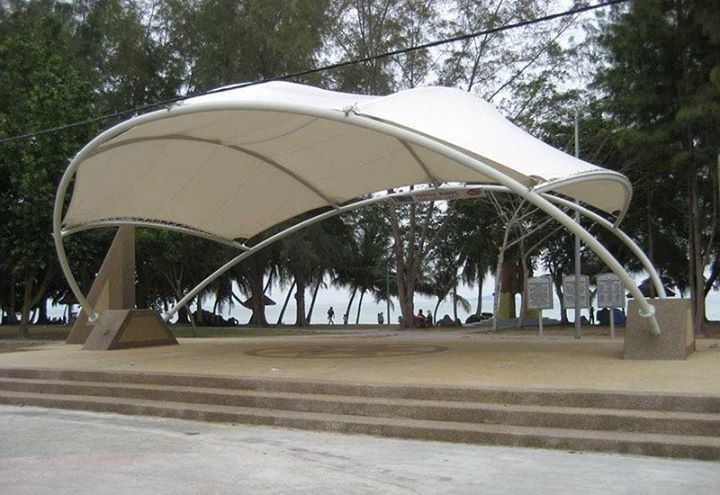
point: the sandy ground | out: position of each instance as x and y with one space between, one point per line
458 357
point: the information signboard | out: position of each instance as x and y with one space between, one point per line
610 291
569 291
540 293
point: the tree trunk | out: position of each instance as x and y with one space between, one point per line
651 239
25 312
437 305
346 317
30 300
183 315
287 299
300 305
407 309
697 282
312 302
198 311
257 294
193 326
714 272
12 306
407 269
362 294
557 282
454 293
480 280
405 298
42 311
523 288
496 292
507 285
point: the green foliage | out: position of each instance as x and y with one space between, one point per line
218 42
39 87
663 101
653 113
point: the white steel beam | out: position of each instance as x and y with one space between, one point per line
137 222
351 118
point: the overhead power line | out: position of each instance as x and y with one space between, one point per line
339 65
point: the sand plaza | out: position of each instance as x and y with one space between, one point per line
467 357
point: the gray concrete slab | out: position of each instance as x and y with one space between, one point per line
54 451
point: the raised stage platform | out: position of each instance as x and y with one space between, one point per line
458 357
453 386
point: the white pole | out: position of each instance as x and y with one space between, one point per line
612 323
387 291
578 270
632 245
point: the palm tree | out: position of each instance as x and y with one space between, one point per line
474 228
366 270
308 255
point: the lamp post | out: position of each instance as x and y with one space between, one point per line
578 270
387 291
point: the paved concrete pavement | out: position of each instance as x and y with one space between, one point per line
49 451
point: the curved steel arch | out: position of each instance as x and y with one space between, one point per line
153 224
607 175
349 117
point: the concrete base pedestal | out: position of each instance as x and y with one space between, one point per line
677 340
128 328
114 287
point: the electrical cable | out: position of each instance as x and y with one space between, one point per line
308 72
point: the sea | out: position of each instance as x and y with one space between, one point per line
338 299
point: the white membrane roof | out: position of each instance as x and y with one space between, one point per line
238 162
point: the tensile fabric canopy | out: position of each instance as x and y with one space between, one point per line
234 163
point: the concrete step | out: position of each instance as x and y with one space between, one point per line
448 411
561 398
683 446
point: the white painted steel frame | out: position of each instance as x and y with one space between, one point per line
347 116
139 222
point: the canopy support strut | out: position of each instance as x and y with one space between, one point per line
420 162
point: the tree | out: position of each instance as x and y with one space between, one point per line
250 277
176 263
309 254
39 88
121 51
476 227
219 42
664 98
365 269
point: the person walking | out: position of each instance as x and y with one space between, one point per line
331 316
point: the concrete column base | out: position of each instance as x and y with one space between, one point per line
128 328
114 286
677 340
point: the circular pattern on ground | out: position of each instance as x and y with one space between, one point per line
329 351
